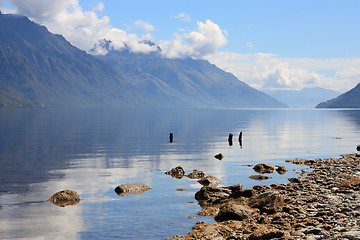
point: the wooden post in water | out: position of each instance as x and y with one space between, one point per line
240 139
230 139
171 137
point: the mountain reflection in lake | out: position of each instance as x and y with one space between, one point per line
92 151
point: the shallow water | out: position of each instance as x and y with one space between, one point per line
91 151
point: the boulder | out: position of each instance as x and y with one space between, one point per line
196 174
212 194
177 172
281 170
247 193
358 148
131 188
65 198
266 232
264 168
209 181
237 212
269 202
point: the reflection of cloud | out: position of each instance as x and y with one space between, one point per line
39 220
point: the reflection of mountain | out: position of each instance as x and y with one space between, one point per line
40 68
305 98
350 99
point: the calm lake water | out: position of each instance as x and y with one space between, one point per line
91 151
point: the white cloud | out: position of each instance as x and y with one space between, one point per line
84 29
250 45
183 16
100 7
206 40
270 71
144 25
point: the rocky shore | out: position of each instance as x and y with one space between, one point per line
321 204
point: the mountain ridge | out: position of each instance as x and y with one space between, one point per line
304 98
39 68
349 99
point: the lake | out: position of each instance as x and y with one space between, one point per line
91 151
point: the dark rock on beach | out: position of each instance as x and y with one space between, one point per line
323 204
131 188
65 198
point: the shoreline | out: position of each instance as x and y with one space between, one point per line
322 204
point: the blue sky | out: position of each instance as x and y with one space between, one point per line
268 44
319 29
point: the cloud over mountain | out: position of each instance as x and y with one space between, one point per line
85 29
89 30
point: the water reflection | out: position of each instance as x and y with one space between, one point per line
91 151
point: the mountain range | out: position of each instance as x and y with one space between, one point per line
304 98
38 68
349 99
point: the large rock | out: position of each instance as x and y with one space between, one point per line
264 168
212 194
131 188
269 202
233 211
65 198
209 181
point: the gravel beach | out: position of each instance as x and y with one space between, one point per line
323 203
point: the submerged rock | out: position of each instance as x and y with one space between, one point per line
65 198
177 172
209 181
259 177
131 188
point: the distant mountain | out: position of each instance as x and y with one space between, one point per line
186 82
305 98
350 99
39 68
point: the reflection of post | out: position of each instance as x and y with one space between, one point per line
230 139
171 137
240 139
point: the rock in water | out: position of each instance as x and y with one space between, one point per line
219 156
131 188
177 172
196 174
65 198
209 181
264 168
281 170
